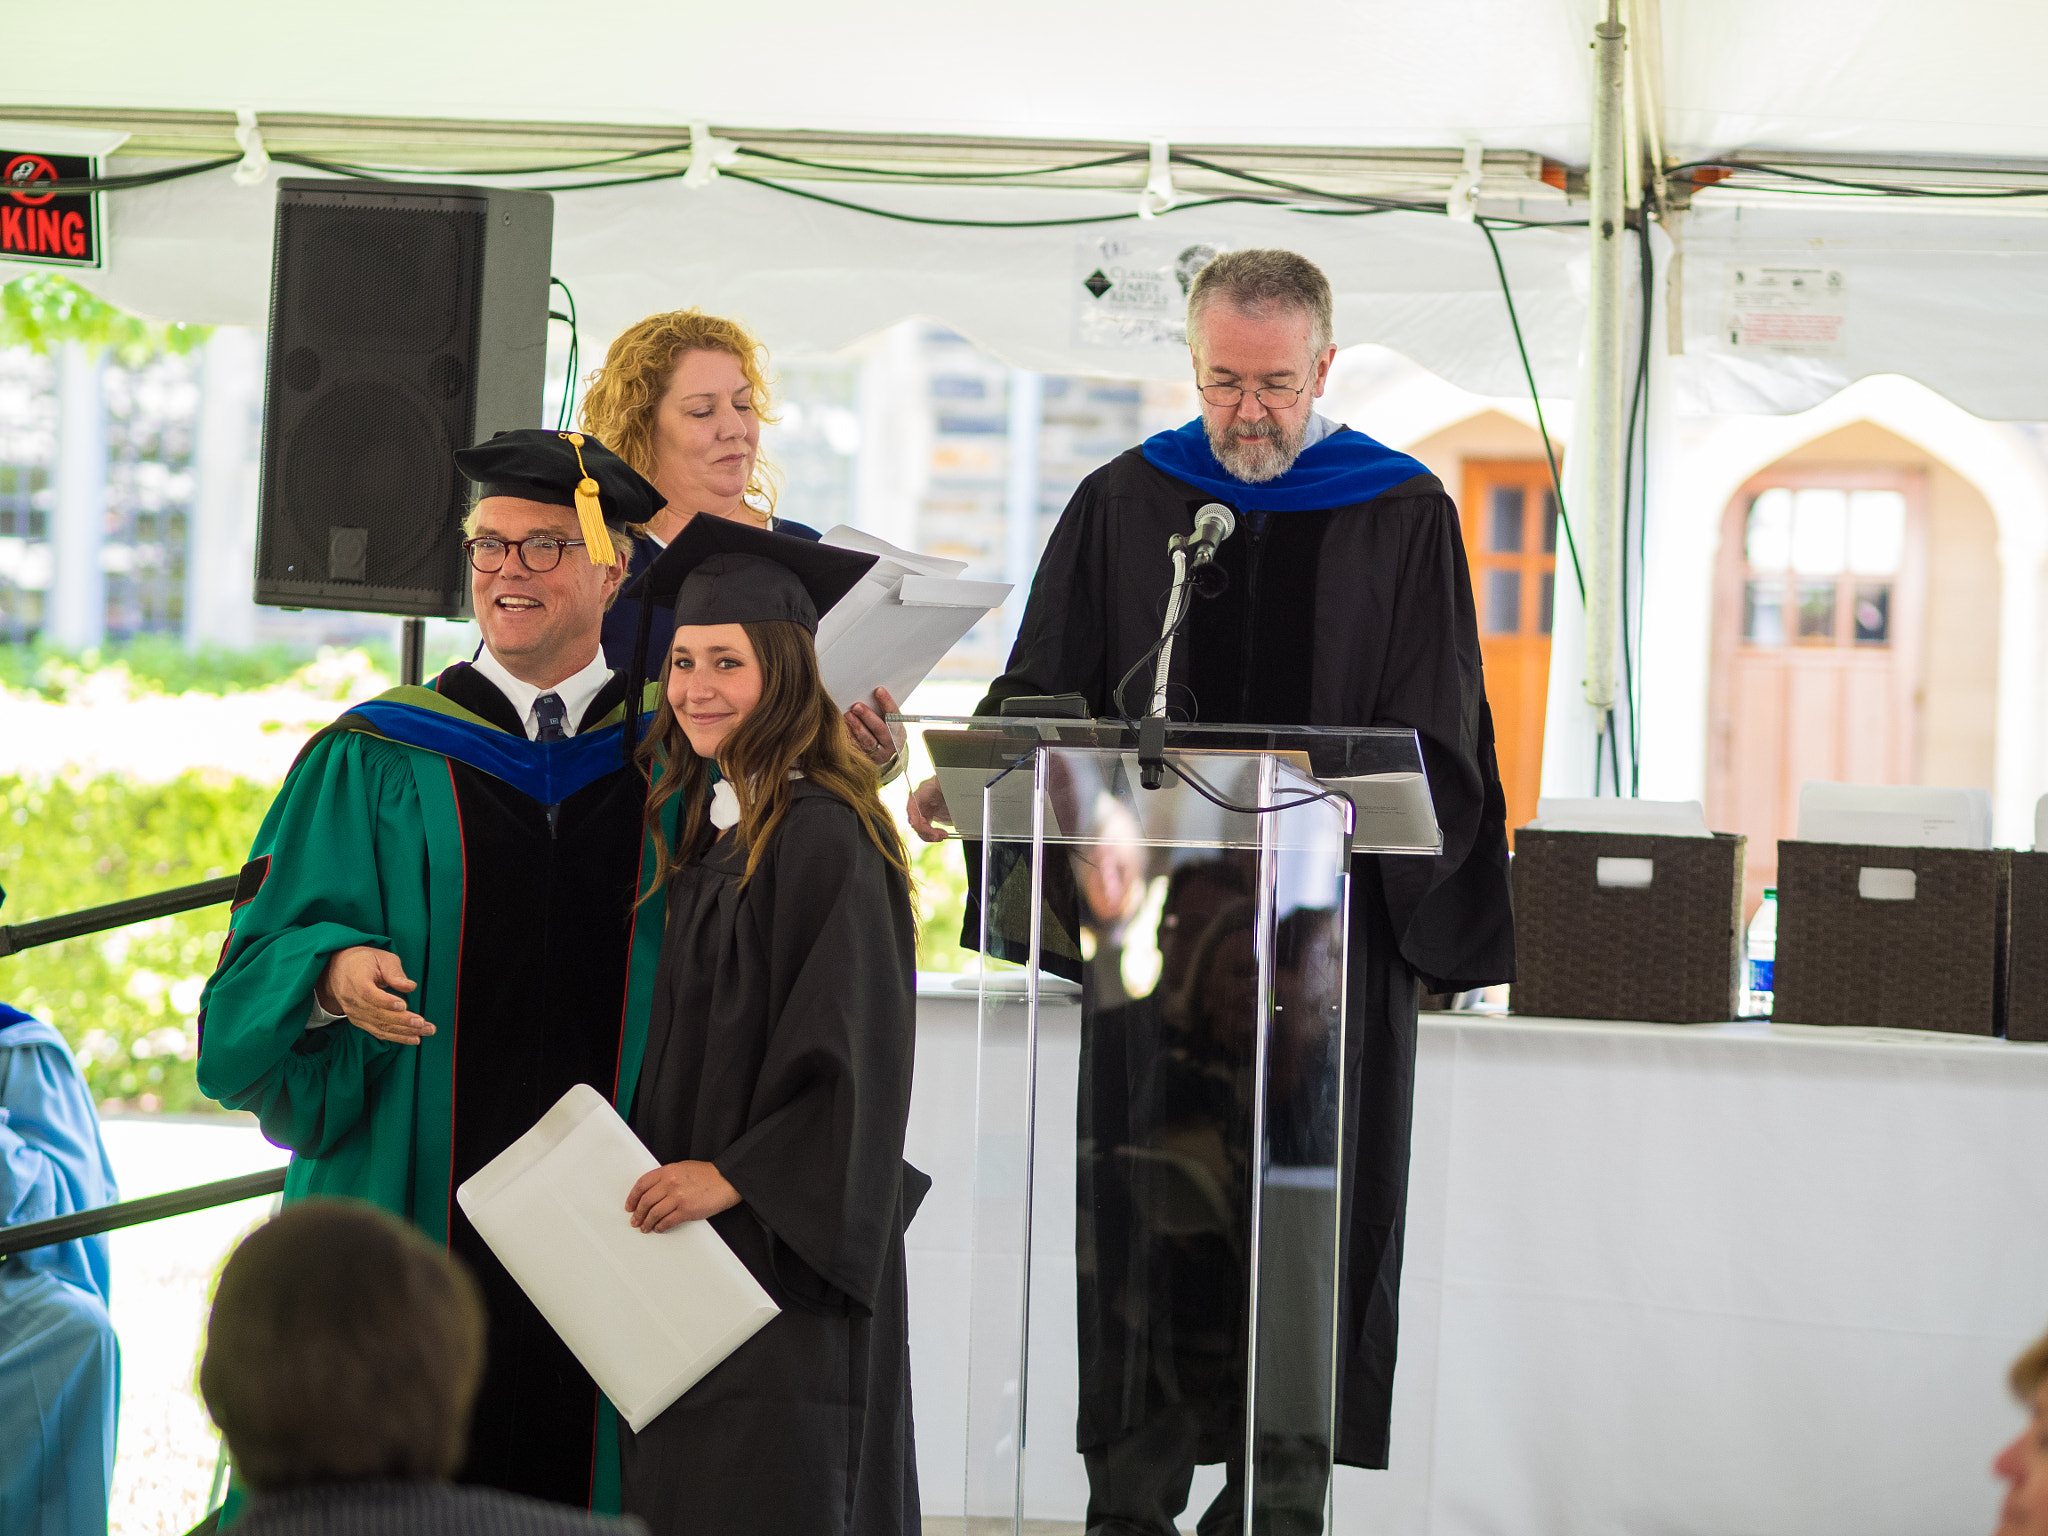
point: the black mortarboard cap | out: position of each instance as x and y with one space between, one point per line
721 572
564 469
717 571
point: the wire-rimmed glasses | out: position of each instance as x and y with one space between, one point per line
1274 397
539 555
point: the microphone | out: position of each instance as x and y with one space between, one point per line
1213 524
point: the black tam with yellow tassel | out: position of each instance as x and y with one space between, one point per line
569 469
566 469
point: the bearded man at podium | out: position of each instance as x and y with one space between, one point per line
1348 604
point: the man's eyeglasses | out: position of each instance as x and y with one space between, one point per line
537 555
1274 397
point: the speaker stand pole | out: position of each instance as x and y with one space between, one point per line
412 655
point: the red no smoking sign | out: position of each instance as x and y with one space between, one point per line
47 227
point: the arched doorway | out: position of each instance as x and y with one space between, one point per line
1855 633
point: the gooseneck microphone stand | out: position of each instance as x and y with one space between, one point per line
1177 598
1152 729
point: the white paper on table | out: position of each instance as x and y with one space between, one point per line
1394 811
962 787
968 762
1642 818
2041 825
648 1314
1894 815
899 620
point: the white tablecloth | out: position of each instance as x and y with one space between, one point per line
1660 1279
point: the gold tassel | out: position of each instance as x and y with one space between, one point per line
597 539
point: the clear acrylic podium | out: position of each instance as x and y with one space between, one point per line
1159 1105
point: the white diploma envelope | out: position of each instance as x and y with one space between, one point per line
1612 813
1894 815
899 620
648 1314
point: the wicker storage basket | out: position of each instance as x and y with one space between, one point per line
1933 961
1667 952
2026 972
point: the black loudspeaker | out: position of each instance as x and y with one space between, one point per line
406 321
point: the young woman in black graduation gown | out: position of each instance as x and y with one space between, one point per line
776 1083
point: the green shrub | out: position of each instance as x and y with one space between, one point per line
125 999
941 888
161 664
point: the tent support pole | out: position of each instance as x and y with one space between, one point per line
1606 338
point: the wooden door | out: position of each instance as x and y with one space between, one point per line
1819 600
1510 522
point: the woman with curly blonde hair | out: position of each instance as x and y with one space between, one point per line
681 397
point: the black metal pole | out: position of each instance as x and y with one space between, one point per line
129 1213
138 909
412 656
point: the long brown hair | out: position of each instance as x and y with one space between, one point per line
619 409
794 725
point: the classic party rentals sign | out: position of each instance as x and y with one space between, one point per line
49 228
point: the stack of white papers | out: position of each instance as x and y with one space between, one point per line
1659 818
1894 815
648 1314
1394 812
899 621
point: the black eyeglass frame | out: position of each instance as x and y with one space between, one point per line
518 546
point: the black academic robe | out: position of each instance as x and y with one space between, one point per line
1351 616
546 937
517 922
780 1050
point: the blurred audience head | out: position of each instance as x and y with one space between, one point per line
1196 892
2023 1465
343 1347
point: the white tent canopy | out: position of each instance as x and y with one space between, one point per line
1947 293
1852 76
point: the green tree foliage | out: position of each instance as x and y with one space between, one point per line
40 312
941 904
125 999
161 664
154 664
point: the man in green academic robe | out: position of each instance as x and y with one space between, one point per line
436 935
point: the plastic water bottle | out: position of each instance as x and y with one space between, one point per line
1763 957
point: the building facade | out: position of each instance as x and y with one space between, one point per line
128 495
1853 593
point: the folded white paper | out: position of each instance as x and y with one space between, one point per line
1894 815
2041 825
1394 811
842 536
1644 818
648 1314
899 620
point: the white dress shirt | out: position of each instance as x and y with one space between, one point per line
575 691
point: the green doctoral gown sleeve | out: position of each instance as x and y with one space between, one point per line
347 864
